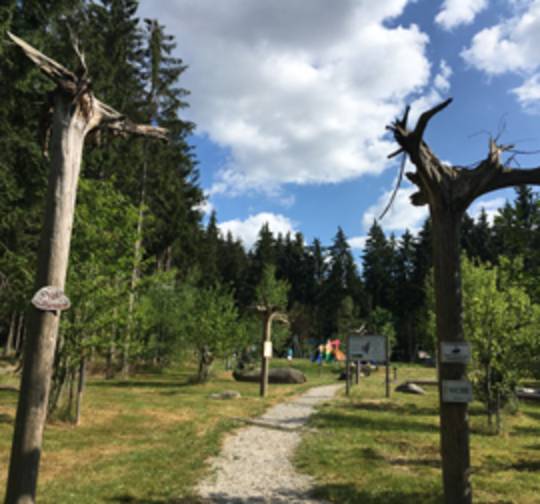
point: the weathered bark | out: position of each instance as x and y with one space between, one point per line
76 112
454 429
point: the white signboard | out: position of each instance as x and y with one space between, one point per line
267 351
367 347
456 353
456 391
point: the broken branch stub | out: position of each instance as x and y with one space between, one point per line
77 85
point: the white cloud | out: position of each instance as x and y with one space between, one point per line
442 79
528 94
402 214
490 206
357 242
510 46
299 91
454 13
247 230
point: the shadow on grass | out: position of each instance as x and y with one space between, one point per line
410 409
527 431
6 419
13 390
349 494
129 499
139 384
400 424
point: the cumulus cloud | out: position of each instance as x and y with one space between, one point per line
299 92
357 242
490 206
512 46
402 214
454 13
528 94
247 230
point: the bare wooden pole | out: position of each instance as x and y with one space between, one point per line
265 362
76 112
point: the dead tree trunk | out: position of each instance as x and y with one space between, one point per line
76 112
449 190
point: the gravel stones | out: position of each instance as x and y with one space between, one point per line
255 462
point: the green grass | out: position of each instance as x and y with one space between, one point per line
144 440
368 450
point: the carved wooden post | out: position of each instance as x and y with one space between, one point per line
76 112
269 314
449 190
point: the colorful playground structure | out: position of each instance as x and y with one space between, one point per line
329 352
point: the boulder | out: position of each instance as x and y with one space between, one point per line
226 394
410 388
275 375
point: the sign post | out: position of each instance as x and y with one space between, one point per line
369 348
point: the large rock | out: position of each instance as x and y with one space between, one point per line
275 375
410 388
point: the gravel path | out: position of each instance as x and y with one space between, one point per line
254 466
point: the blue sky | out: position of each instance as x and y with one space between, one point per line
291 97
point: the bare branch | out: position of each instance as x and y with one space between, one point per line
426 117
121 125
127 127
511 177
395 153
404 119
396 188
82 71
51 68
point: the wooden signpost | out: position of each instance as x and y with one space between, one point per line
370 348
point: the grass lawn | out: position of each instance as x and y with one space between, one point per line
144 440
368 450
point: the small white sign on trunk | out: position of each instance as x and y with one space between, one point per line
267 350
456 391
455 352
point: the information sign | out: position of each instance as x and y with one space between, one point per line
455 352
456 391
267 352
367 348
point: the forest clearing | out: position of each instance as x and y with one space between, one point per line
149 440
137 328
